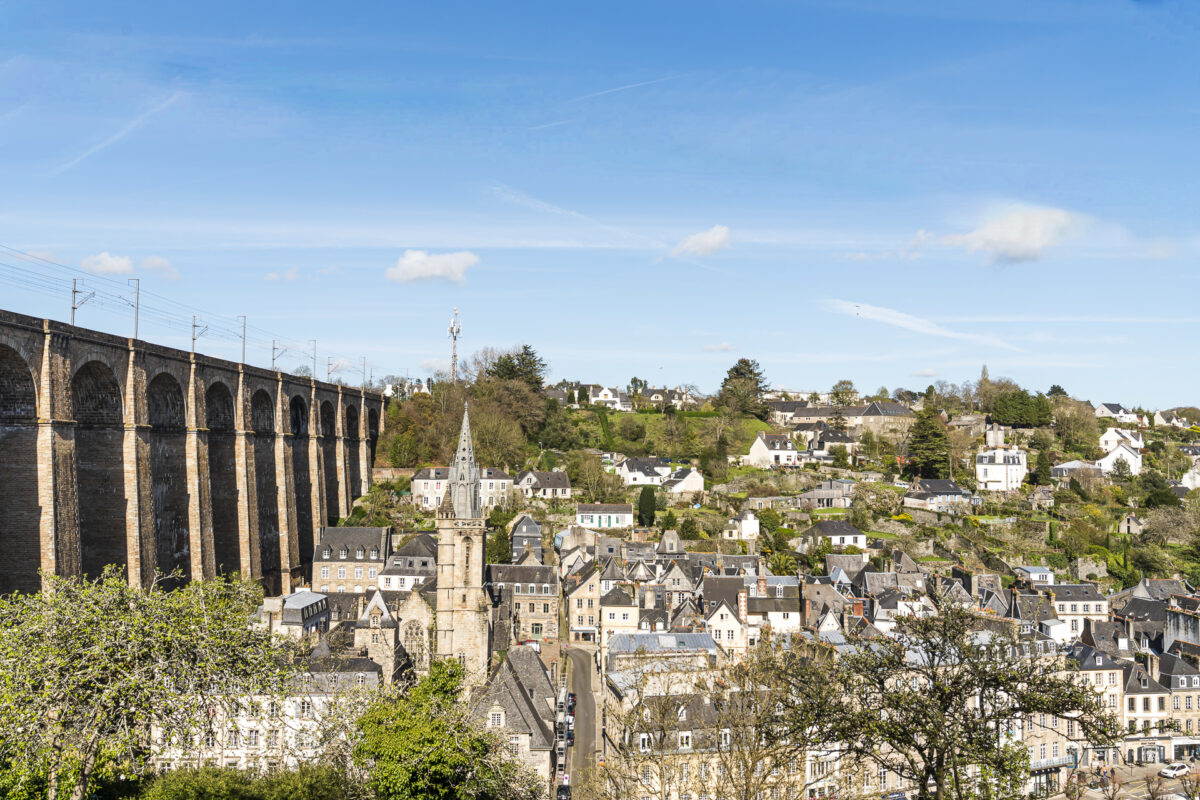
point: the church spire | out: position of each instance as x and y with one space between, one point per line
464 475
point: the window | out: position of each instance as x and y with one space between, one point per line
374 553
272 738
324 572
1162 704
252 738
372 572
545 608
358 573
535 629
343 553
685 741
341 572
1175 701
496 719
306 709
644 743
327 552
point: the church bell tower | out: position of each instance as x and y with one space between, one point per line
463 613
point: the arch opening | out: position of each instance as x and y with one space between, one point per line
372 436
303 483
20 512
168 478
329 462
222 470
353 455
99 468
262 415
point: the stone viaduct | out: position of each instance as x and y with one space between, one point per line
118 451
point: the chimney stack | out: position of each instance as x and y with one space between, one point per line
743 605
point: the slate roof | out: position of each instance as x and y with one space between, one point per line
351 538
521 688
432 474
546 480
617 596
662 643
1074 591
1135 676
526 526
833 527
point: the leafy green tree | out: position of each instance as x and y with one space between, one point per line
769 519
743 389
843 392
305 782
841 456
837 420
688 528
1041 472
1121 471
1057 391
928 447
499 548
87 667
1019 409
424 745
1159 498
645 507
926 702
523 364
782 563
668 521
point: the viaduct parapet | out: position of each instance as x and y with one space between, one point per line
118 451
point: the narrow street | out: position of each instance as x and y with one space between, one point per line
581 677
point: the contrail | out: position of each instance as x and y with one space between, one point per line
125 130
623 88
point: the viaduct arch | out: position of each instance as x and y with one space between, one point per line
117 453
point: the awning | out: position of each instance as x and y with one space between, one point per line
1184 740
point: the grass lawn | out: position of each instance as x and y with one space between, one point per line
881 535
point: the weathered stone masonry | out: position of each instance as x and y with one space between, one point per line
117 451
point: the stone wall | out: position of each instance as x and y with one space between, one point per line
119 452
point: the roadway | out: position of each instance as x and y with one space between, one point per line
581 679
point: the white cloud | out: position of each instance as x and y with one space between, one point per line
288 274
107 264
421 265
925 373
704 243
1021 233
898 319
432 365
160 265
723 347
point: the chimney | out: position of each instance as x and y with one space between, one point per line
648 597
743 605
762 585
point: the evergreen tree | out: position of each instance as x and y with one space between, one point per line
843 393
646 507
522 365
1041 473
499 549
743 389
928 447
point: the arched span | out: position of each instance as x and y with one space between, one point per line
329 462
20 512
262 416
100 467
353 453
372 435
303 482
222 470
168 477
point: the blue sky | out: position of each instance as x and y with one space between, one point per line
893 192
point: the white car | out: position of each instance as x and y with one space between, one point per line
1174 770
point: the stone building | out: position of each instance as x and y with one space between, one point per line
464 626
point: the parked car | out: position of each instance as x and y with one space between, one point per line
563 793
894 796
570 738
571 702
1174 770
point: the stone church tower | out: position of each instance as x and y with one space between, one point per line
463 612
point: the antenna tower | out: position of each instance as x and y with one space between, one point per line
454 330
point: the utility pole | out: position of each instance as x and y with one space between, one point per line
276 352
454 330
364 383
242 317
314 342
196 335
76 304
137 302
328 368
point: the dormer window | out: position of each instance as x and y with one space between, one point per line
375 620
360 552
374 553
327 553
343 553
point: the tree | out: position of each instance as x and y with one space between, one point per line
87 667
1041 472
1057 391
843 393
522 364
1159 498
841 456
305 782
668 521
743 389
927 703
645 507
782 563
837 420
424 745
499 548
769 519
1120 470
688 528
1019 409
928 448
